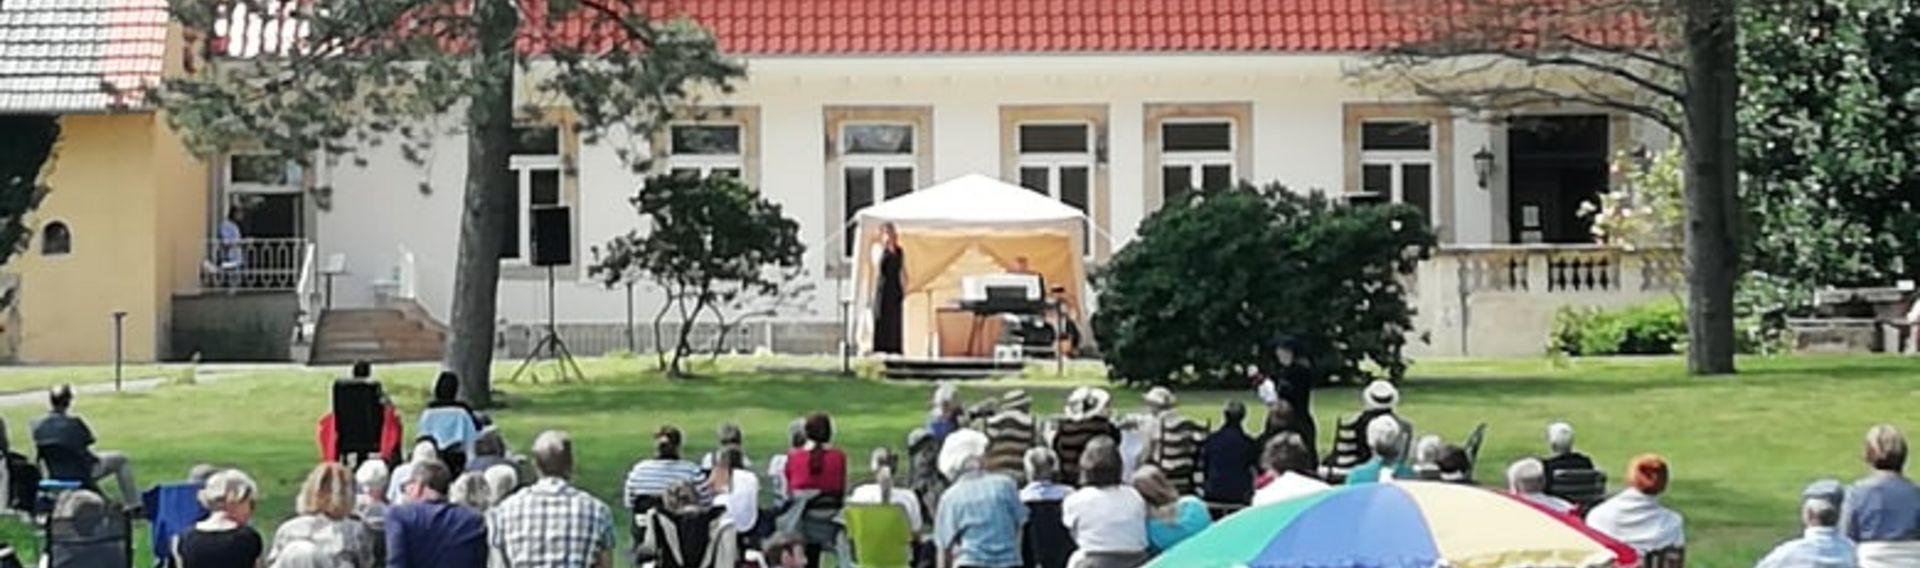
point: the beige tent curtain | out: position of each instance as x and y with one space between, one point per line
937 259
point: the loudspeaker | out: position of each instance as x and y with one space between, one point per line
552 235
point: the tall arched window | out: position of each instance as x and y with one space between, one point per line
56 239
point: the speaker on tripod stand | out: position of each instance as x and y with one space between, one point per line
552 246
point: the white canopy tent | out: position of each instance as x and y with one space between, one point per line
963 227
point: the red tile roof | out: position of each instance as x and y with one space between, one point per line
891 27
61 56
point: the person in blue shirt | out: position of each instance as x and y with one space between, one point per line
1171 517
1822 546
1386 439
428 530
1881 514
980 515
1230 458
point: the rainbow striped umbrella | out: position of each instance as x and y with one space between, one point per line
1399 525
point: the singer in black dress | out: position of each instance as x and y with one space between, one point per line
891 291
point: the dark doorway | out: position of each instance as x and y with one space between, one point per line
1556 163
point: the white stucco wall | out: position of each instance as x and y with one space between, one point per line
1296 101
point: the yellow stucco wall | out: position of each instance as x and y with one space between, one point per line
134 201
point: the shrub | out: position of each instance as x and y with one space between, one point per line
1653 328
1212 278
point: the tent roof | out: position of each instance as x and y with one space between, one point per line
971 199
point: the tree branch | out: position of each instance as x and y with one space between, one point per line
1635 54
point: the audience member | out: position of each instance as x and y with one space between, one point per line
944 417
1171 518
1043 474
1635 516
1386 440
423 451
470 490
1230 459
1560 453
551 523
1822 545
429 530
923 469
325 532
777 465
1426 457
502 481
1882 511
1527 479
1107 517
370 501
785 550
819 466
650 478
489 449
729 435
66 449
1453 465
1286 460
1287 391
734 486
1086 418
1351 444
1010 433
450 422
882 490
979 519
224 539
1173 441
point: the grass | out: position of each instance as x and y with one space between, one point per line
32 378
1741 447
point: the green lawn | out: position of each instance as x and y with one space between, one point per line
1741 447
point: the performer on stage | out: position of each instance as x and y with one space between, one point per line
1289 379
890 290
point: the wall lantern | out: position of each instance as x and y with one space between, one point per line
1483 166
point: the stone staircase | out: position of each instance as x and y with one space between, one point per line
379 335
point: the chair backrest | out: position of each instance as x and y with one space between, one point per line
172 509
1670 557
881 536
683 539
1047 542
356 416
1474 441
96 537
66 464
1583 487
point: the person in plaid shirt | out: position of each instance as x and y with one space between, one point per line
552 524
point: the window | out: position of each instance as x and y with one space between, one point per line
56 239
1195 154
1056 159
1397 164
269 190
877 163
536 163
706 149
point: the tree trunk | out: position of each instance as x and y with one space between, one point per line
488 201
1713 255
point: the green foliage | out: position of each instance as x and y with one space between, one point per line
713 244
1653 328
1830 140
1650 208
1211 279
24 153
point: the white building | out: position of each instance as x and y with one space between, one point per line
1102 104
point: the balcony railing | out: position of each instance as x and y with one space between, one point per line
1562 269
254 264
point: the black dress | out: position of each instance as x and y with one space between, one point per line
887 301
235 548
1296 387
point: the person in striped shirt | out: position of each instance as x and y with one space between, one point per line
650 478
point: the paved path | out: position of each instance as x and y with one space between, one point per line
207 373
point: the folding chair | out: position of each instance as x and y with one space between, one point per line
84 532
881 536
1582 487
1670 557
1474 441
1046 543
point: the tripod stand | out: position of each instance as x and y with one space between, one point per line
550 347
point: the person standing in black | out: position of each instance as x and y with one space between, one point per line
1287 389
891 290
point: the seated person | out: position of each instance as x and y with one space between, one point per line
883 491
1636 516
1454 465
1527 479
450 422
1386 439
357 388
1561 455
1822 545
70 441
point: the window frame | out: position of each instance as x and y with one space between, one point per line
705 164
523 166
232 186
1196 161
46 238
879 164
1398 160
1054 161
